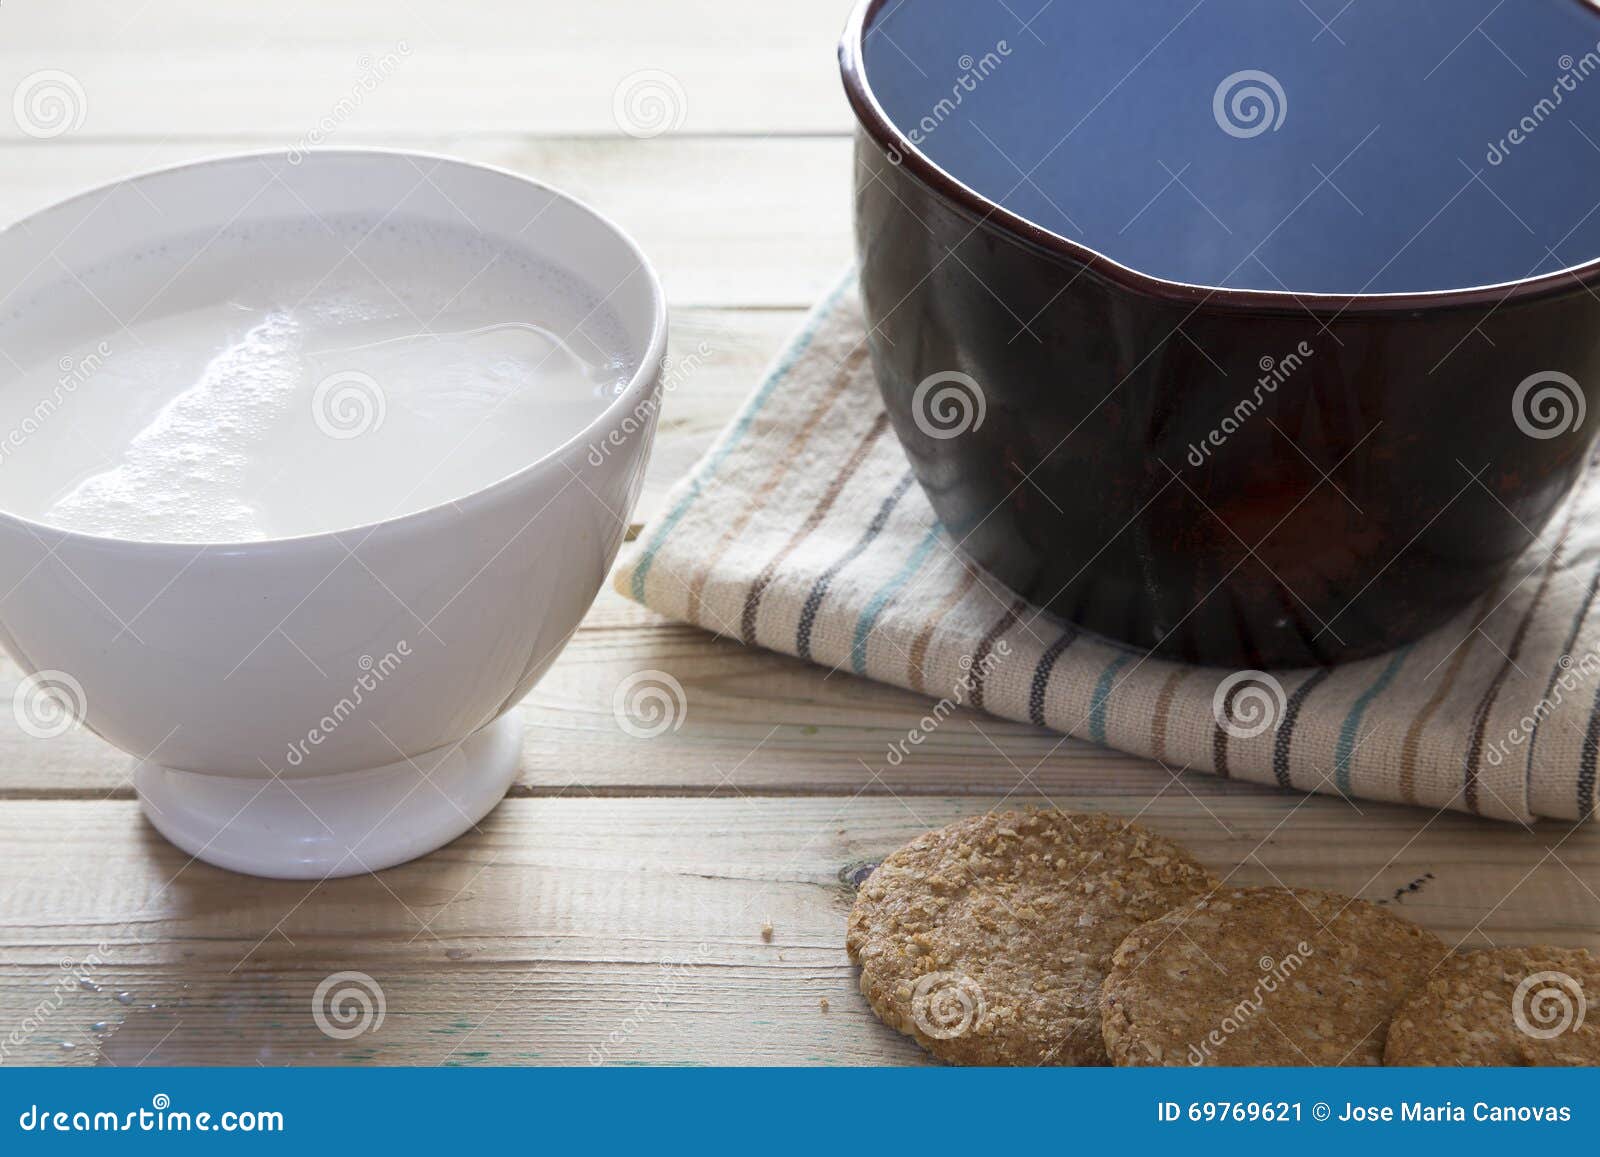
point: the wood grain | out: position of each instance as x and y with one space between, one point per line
171 69
752 722
611 910
626 930
728 222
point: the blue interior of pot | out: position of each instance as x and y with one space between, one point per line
1318 146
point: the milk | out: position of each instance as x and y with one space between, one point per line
287 381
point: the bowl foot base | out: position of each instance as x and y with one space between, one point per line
334 825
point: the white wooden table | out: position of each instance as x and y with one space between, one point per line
612 909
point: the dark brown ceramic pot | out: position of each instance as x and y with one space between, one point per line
1237 473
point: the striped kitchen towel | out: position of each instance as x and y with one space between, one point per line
802 530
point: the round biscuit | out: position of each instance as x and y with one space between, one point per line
1263 976
1504 1006
987 940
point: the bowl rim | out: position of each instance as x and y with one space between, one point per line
875 122
633 396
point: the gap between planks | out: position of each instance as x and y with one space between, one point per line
632 927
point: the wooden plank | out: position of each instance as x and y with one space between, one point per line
171 68
570 930
755 721
728 223
751 722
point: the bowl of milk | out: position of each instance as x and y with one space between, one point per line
310 464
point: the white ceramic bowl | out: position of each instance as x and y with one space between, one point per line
335 703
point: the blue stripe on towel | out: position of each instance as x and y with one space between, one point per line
819 591
1350 729
880 600
779 371
1102 695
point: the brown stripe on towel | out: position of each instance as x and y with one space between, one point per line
1480 716
917 661
812 607
1556 671
1285 731
1413 739
1219 752
759 495
752 600
981 657
1158 724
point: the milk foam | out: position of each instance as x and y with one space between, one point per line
289 381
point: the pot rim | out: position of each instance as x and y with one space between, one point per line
986 213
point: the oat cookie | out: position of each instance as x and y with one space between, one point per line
1263 976
1505 1006
987 940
